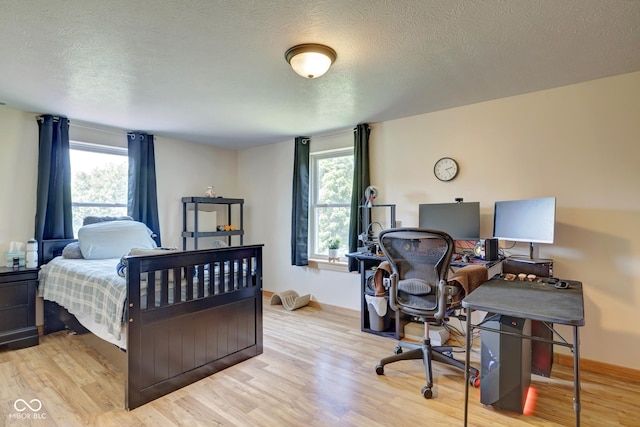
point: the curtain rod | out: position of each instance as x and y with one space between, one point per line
75 125
40 118
332 134
122 132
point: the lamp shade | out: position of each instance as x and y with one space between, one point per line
310 60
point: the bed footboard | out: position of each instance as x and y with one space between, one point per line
190 314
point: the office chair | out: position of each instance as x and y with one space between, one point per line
419 260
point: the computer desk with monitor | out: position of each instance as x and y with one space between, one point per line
530 221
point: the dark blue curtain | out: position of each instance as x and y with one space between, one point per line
360 182
54 219
300 203
142 195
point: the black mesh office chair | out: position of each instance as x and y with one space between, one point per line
419 260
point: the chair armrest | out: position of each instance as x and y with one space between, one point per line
393 289
442 300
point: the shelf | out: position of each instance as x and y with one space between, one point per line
213 200
193 204
212 233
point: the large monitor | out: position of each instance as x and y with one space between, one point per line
531 220
460 220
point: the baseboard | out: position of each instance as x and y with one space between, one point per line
587 365
315 304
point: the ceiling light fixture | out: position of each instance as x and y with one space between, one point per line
310 60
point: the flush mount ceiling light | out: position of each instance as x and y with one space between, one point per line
310 60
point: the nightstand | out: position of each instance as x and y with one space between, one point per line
18 307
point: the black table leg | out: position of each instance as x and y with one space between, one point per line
467 365
576 375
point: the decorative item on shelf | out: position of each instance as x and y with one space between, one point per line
227 227
334 246
210 192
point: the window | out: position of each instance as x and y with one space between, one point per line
331 177
99 181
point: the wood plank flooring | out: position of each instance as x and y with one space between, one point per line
318 369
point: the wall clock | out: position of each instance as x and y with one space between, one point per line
445 169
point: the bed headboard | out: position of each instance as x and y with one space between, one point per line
49 249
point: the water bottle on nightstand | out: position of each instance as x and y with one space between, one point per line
32 254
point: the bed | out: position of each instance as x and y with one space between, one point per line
183 315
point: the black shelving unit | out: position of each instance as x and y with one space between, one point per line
397 322
196 234
367 222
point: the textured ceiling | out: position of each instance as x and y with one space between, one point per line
214 71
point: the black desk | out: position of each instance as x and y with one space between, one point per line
365 264
529 300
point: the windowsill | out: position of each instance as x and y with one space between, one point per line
323 264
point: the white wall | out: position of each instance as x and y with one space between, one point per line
264 178
18 176
187 169
579 143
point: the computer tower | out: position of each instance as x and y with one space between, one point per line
487 249
505 363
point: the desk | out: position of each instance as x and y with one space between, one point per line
529 300
396 328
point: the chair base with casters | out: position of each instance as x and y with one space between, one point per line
427 353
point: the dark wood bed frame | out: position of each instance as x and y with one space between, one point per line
171 345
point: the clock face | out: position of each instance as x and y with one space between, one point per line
445 169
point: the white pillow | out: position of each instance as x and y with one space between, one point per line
113 239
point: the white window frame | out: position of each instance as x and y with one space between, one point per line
314 158
100 149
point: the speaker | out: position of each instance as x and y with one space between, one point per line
487 249
505 372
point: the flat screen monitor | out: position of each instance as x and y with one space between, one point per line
459 220
530 220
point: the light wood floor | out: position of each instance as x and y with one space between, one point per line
317 370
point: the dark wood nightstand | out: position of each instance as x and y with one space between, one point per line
18 307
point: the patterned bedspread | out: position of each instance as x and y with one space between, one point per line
93 288
90 287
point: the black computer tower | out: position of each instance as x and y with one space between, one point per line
541 352
505 372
